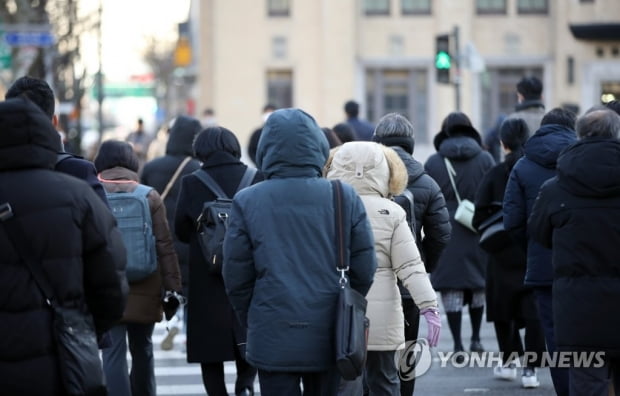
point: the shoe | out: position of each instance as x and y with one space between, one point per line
168 342
529 378
245 392
476 346
506 372
459 355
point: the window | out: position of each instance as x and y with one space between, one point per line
278 8
532 6
280 88
279 47
377 7
416 7
491 6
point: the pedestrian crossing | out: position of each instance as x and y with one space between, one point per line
174 376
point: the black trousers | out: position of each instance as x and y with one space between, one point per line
412 325
322 383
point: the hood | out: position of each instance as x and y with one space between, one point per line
545 145
27 137
457 131
291 145
459 148
369 167
591 168
182 135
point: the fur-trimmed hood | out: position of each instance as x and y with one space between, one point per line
369 167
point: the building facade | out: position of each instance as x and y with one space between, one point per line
317 54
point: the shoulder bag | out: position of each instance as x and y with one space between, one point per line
493 236
465 209
351 338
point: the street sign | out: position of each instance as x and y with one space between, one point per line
29 39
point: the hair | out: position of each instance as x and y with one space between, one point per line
530 87
114 153
614 105
36 90
216 139
514 133
453 121
352 108
394 124
344 132
332 138
599 123
269 107
559 116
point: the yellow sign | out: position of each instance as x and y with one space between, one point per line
183 53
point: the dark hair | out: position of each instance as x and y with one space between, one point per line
614 105
352 108
113 153
332 138
530 87
599 123
454 122
36 90
514 133
559 116
216 139
269 107
344 132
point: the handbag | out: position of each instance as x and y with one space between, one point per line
465 210
351 327
493 236
73 330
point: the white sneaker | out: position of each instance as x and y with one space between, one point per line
529 379
507 372
168 342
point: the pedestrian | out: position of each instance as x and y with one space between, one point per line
256 133
362 128
164 174
432 221
460 272
74 239
139 141
214 334
332 137
510 304
280 266
345 132
377 173
557 131
118 171
576 215
530 106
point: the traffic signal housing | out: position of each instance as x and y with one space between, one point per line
443 59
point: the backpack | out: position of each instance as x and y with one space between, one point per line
133 217
213 220
406 201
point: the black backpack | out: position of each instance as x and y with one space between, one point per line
406 201
213 220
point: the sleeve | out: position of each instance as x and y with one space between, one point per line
437 227
166 254
183 222
408 266
539 224
362 260
515 208
238 268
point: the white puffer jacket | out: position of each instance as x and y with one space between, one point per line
377 173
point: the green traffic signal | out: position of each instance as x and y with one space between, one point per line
443 60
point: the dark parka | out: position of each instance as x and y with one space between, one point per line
279 253
462 264
577 215
73 234
159 171
144 304
212 327
529 173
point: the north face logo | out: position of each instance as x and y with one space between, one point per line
384 211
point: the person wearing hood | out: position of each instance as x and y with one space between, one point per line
460 272
377 173
576 215
164 174
280 260
74 238
430 212
530 106
557 131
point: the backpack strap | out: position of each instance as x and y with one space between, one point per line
211 184
247 178
409 195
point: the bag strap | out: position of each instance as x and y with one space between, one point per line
247 178
174 177
337 199
451 174
211 184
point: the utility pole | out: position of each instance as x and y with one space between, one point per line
100 74
457 67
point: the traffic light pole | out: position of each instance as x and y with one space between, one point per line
457 67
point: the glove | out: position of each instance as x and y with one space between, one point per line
433 322
171 303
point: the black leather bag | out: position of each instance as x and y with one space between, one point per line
351 328
493 236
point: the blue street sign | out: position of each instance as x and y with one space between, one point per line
29 39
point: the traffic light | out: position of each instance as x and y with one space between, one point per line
443 59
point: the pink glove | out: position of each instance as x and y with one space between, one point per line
433 322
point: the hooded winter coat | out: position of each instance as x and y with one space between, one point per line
577 215
376 173
279 252
528 174
462 264
72 234
158 172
